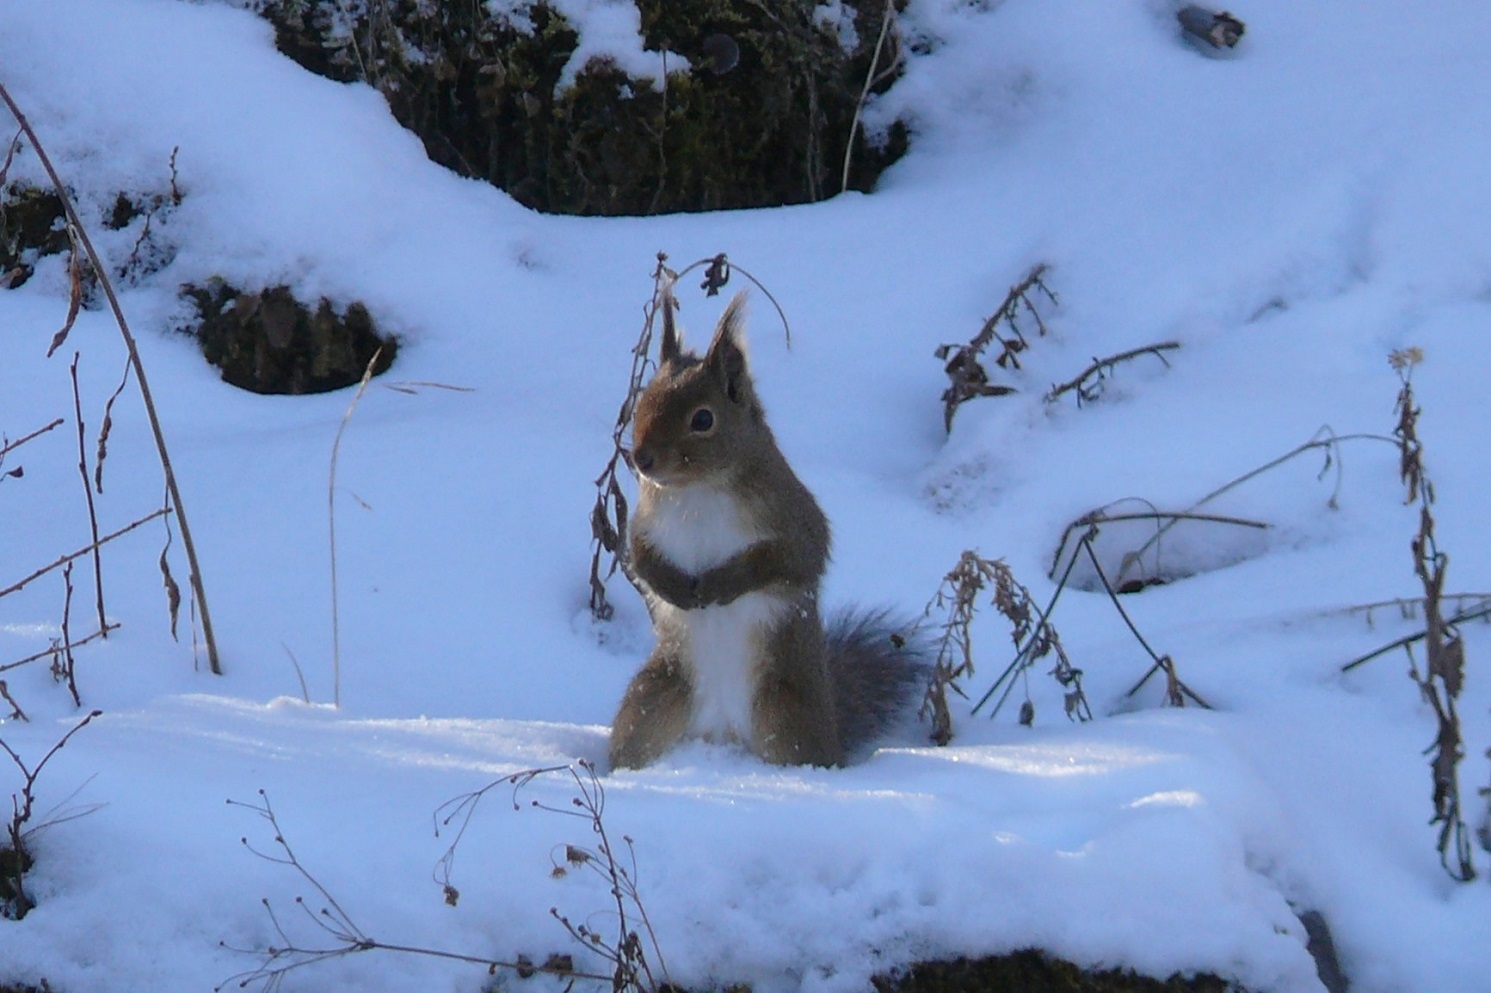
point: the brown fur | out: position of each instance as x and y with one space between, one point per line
765 538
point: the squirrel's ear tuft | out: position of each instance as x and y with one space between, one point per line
726 358
672 345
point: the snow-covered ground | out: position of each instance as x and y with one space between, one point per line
1290 215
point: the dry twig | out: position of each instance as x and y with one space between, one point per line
967 375
1030 629
1101 368
20 583
331 527
76 227
337 934
1167 518
98 567
1325 439
1444 671
872 79
18 903
11 446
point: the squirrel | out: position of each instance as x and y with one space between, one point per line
729 547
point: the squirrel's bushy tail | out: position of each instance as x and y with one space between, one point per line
876 676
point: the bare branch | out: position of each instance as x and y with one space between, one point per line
98 567
198 591
11 446
1101 367
13 587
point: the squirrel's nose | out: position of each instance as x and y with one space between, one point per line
643 460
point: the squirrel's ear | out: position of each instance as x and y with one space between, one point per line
726 359
672 344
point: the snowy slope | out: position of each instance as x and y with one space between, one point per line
1290 215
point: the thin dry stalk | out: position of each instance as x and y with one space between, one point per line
1407 641
22 806
1030 630
305 692
16 713
98 567
64 560
1102 368
1102 516
11 149
627 952
335 934
198 591
64 666
1176 692
1409 608
966 374
331 525
10 446
872 78
1325 439
51 650
1444 648
609 517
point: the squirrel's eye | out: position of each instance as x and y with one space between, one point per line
702 420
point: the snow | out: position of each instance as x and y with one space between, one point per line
1289 214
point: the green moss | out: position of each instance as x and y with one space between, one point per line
270 342
480 93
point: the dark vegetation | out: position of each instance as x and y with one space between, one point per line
1033 971
763 117
270 342
266 341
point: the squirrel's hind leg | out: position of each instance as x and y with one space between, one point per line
654 713
793 712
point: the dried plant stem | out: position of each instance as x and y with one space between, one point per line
333 922
198 591
1023 649
16 713
1101 516
871 78
1444 671
1459 617
98 567
1324 438
11 446
1176 691
13 587
331 525
22 806
64 665
1409 606
967 377
1101 366
48 652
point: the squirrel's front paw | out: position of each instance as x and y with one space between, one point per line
681 591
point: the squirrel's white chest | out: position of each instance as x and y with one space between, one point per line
725 648
697 528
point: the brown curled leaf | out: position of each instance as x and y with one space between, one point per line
173 592
74 302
